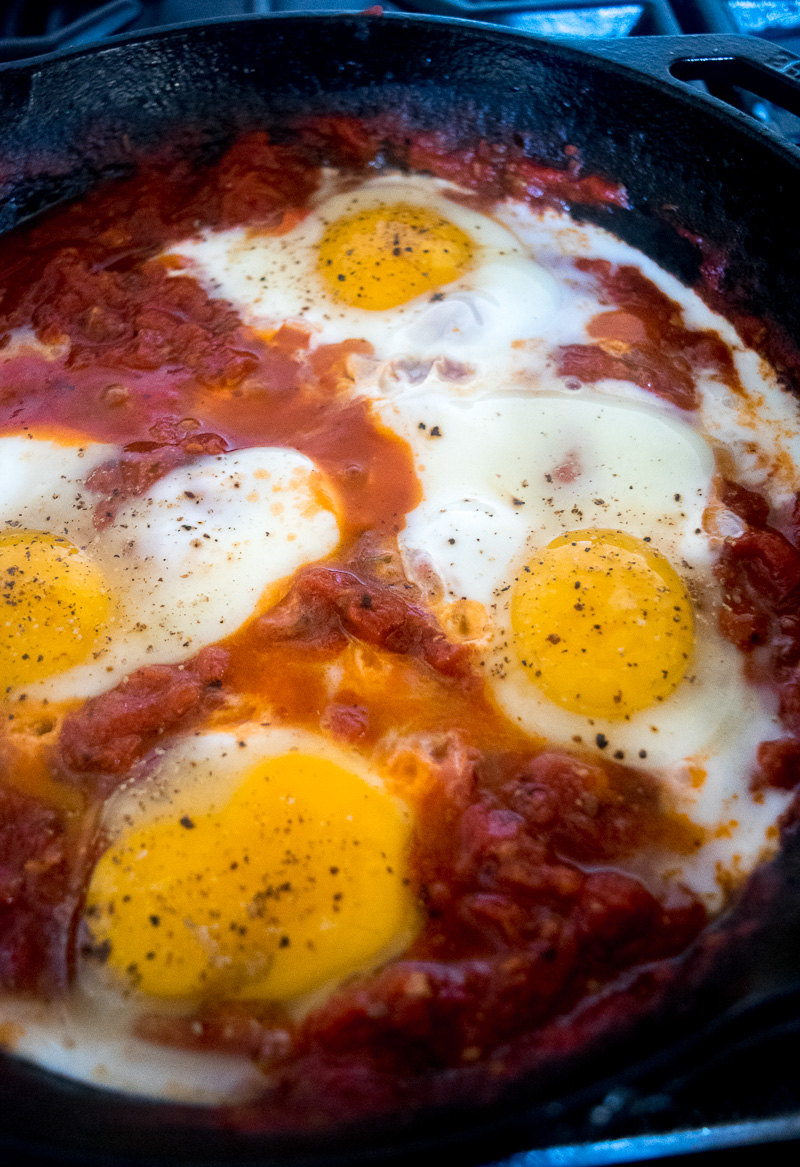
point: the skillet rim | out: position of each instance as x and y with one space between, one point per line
612 53
577 50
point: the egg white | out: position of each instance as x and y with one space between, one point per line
497 329
759 428
547 464
473 321
185 564
73 1038
42 483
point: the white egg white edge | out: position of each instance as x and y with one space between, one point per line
184 565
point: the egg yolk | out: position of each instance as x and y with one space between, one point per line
297 881
53 605
602 624
385 256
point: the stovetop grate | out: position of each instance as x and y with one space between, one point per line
30 27
33 27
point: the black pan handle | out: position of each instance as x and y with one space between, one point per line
722 62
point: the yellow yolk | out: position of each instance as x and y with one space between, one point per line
297 881
387 255
602 623
53 604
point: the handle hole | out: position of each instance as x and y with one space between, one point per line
768 95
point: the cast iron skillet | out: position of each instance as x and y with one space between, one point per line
704 181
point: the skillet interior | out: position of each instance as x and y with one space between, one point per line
690 168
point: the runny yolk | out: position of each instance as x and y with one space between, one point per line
53 606
602 624
386 255
297 881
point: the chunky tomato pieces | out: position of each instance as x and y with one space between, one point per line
142 465
516 933
644 341
759 572
110 732
36 901
325 606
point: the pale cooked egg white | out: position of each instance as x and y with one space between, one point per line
394 261
759 427
503 294
574 533
72 1038
42 481
23 342
178 568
